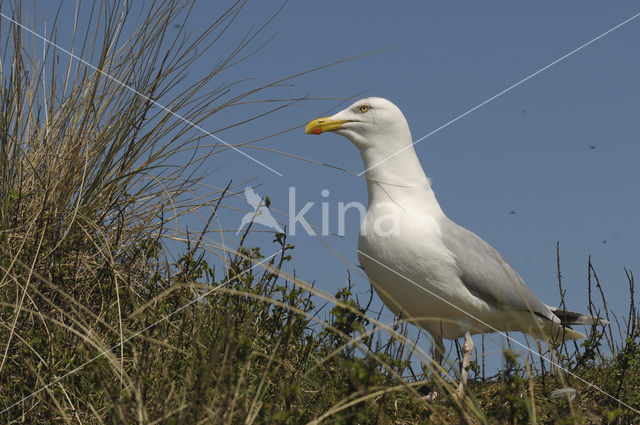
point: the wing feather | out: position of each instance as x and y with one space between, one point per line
487 274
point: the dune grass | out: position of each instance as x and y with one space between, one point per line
100 322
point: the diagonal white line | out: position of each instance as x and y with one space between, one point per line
504 91
595 387
97 356
145 97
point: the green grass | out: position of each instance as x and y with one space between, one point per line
100 322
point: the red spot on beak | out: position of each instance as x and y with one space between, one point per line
316 130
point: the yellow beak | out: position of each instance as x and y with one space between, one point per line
320 125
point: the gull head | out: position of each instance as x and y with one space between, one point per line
373 122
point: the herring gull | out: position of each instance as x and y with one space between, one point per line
427 269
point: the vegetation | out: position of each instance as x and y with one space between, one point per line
101 322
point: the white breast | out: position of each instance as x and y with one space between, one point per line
413 272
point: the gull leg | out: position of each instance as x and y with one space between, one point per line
467 348
437 352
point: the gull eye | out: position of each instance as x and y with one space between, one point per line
363 108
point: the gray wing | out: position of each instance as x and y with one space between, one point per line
486 274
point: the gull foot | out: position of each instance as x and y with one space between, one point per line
433 394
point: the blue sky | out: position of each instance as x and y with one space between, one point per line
552 160
560 150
